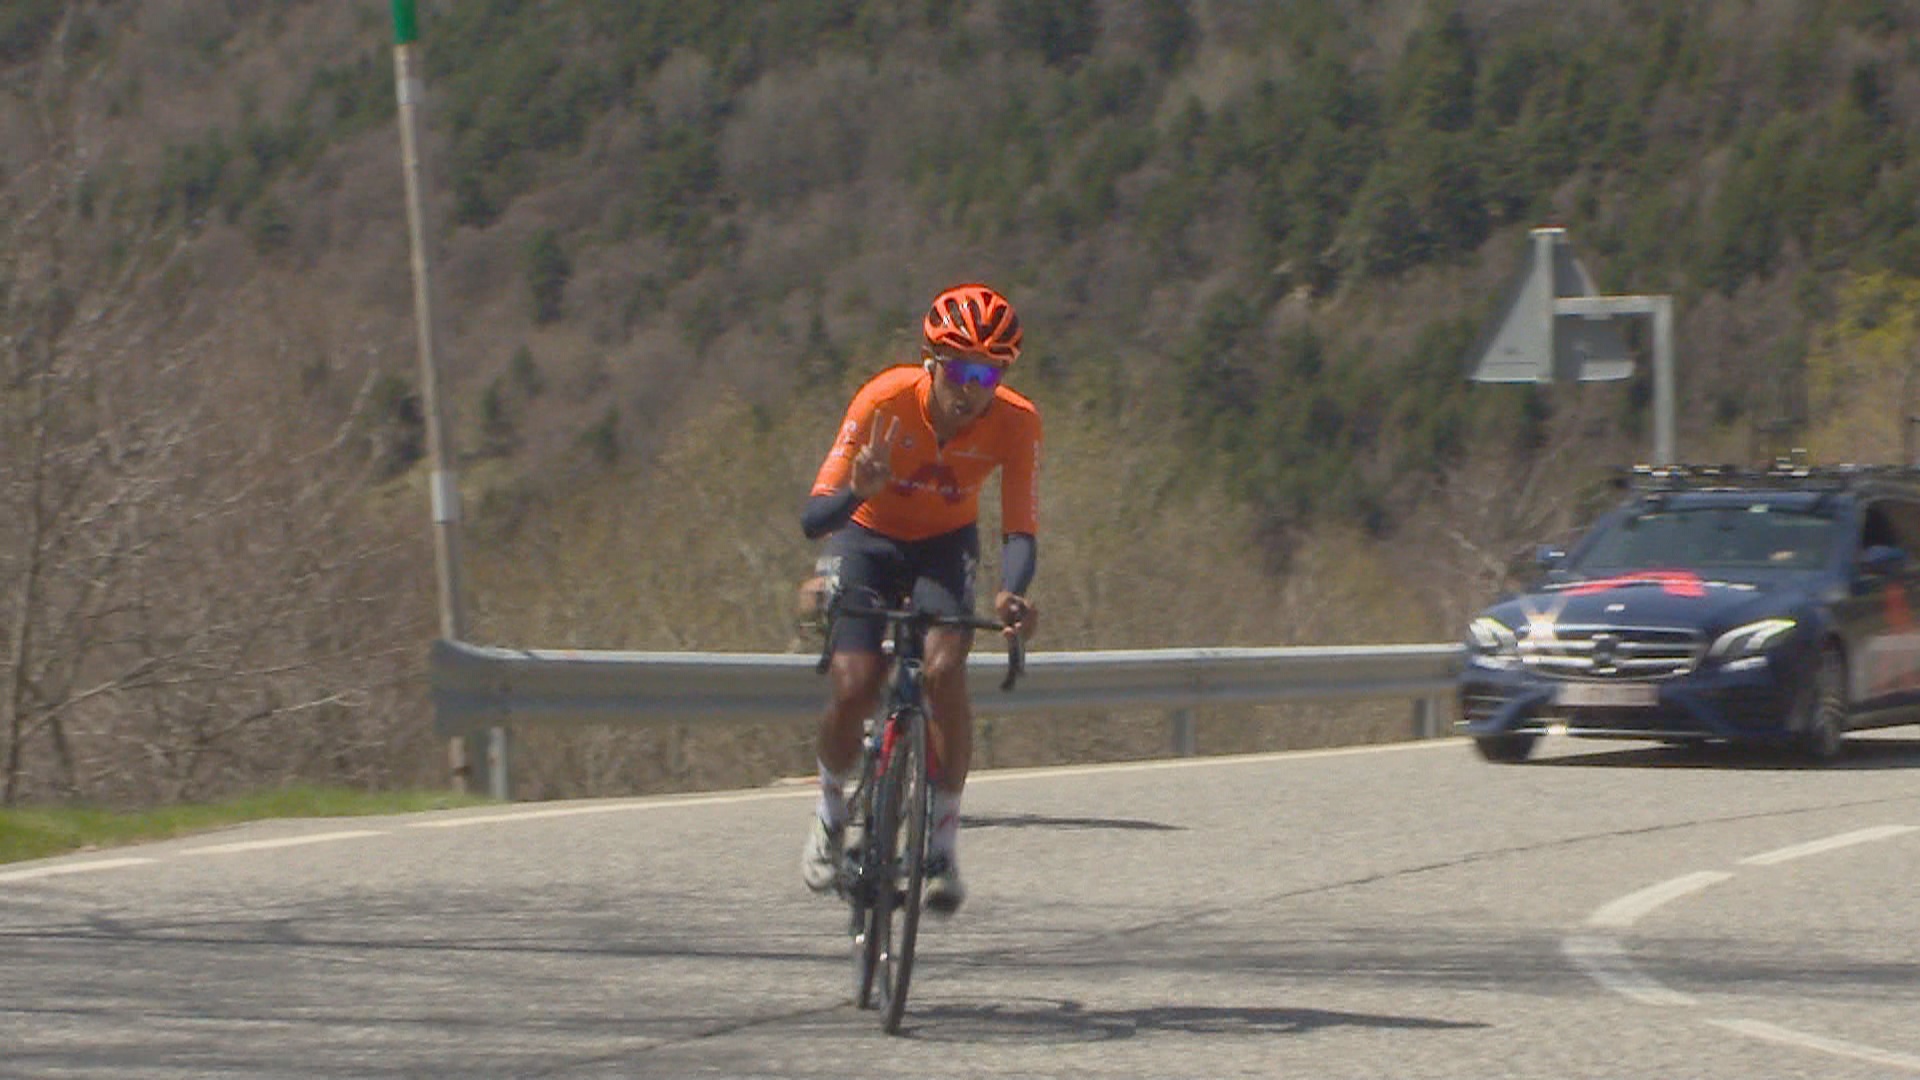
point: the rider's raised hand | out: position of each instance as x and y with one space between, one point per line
1016 613
873 465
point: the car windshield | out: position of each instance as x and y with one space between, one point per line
1756 536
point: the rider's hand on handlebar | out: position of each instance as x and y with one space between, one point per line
1017 613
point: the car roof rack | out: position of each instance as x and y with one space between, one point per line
1782 475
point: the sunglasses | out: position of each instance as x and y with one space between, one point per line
961 372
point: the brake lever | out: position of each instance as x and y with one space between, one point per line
1016 661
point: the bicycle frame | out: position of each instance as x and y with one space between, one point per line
882 879
891 805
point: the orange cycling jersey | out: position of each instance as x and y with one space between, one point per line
936 489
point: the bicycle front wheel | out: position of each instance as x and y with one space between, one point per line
865 876
913 802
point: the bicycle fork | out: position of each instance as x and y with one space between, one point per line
874 864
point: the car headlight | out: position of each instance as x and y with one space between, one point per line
1750 640
1492 642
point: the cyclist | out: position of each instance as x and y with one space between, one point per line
898 499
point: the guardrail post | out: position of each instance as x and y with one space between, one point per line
1184 742
500 764
1426 717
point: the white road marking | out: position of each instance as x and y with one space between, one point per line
801 787
1815 847
36 872
1601 957
1759 1029
1624 912
602 808
1606 962
282 842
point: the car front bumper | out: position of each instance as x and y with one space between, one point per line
1751 704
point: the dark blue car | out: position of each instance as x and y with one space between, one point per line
1769 606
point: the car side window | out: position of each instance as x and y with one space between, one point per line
1891 523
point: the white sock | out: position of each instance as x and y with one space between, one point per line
832 807
946 822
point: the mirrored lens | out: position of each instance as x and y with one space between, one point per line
962 372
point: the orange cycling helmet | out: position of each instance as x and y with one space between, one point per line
974 319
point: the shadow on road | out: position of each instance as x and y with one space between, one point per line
1860 754
1043 821
1065 1021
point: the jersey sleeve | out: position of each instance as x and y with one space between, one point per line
836 471
1020 477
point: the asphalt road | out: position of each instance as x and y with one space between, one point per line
1609 910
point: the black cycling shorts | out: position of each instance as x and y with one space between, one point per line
935 573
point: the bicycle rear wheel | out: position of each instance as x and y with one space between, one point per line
913 800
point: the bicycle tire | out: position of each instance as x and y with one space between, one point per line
915 795
861 887
879 887
884 877
911 800
894 804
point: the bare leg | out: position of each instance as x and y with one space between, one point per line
856 678
950 712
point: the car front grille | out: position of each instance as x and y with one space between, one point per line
1611 652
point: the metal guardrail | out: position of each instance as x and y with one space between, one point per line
476 687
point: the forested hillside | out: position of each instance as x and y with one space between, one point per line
1251 242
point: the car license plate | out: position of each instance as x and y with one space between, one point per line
1609 695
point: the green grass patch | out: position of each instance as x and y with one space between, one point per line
42 832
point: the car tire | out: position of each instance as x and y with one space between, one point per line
1505 749
1820 726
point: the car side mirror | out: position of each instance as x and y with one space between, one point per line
1548 557
1883 559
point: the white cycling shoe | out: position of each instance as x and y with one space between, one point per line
820 861
943 892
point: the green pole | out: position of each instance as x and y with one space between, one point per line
466 753
406 26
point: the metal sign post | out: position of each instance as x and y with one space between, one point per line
1661 309
444 488
1556 327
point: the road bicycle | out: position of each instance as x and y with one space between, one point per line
883 858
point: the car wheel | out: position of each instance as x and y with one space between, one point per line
1505 749
1821 726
